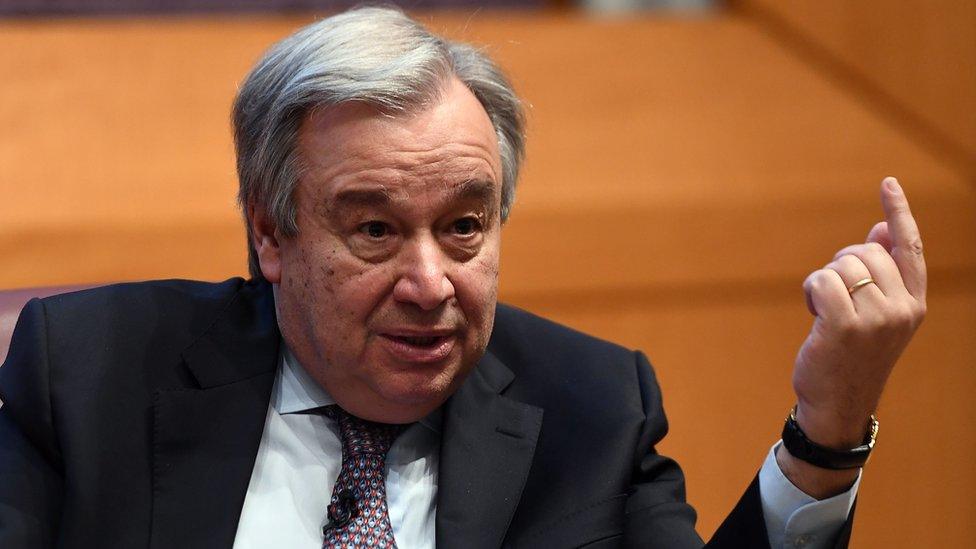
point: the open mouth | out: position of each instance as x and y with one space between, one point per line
423 348
419 341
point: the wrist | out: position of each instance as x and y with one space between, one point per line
816 482
802 446
831 429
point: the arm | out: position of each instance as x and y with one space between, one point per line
796 518
839 375
858 334
657 513
841 370
30 478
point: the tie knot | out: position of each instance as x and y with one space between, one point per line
360 436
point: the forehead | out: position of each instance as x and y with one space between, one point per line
446 144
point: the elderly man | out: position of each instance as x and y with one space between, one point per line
364 388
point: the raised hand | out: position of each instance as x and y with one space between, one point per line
861 328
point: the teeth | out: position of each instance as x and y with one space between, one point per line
420 341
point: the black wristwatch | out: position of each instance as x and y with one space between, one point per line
799 446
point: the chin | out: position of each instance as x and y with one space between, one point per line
415 389
411 395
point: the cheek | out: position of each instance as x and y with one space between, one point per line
310 282
357 289
477 289
486 270
307 269
486 264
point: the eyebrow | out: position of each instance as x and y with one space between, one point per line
480 190
362 198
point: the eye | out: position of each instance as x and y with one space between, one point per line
466 226
374 229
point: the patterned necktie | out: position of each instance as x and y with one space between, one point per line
358 516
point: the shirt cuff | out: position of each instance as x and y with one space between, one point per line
795 519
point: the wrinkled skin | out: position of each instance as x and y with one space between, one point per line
387 293
858 336
858 333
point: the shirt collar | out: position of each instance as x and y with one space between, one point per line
296 391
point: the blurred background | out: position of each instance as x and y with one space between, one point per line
689 163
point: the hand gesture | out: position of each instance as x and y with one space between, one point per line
868 302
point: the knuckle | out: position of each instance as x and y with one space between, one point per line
842 263
901 317
914 246
875 248
916 313
817 280
853 261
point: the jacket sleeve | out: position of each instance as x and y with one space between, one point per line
658 514
31 484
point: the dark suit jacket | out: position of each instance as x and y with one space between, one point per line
132 416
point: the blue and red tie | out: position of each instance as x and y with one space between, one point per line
358 516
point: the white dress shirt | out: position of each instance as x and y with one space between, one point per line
794 519
300 455
298 462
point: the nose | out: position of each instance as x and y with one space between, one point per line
423 278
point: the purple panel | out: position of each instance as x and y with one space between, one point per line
94 7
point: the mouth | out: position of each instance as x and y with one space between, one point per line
419 341
423 347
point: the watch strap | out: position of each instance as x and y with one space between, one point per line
801 447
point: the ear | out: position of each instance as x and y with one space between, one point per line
265 241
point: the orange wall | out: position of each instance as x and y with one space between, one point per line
919 54
683 177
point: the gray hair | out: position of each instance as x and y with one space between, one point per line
374 55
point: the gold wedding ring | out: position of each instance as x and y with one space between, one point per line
860 284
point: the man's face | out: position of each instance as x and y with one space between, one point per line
387 293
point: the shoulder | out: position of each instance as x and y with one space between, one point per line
132 307
98 329
128 339
136 296
519 333
554 363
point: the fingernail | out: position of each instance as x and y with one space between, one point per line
892 184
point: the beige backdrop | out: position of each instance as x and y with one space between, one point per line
683 177
913 59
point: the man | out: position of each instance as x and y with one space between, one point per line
364 389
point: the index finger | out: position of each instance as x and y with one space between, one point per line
906 242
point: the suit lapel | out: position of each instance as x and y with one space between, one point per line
205 439
486 451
